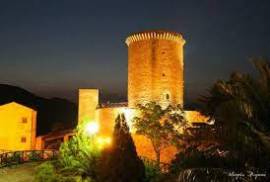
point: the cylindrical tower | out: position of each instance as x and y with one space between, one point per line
155 68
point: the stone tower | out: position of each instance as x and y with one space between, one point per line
155 68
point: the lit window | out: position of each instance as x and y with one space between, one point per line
24 120
23 140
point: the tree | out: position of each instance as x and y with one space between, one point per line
161 126
120 163
241 110
239 138
80 155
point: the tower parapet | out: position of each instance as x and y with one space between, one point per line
155 68
150 35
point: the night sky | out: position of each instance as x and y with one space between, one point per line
54 47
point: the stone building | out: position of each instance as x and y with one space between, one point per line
18 127
155 73
155 68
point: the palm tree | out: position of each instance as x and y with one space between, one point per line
241 109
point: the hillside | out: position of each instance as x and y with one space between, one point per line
54 113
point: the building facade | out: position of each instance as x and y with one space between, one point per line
18 127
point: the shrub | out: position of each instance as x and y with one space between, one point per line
46 173
35 156
203 175
152 172
79 155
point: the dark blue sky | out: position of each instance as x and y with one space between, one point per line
54 47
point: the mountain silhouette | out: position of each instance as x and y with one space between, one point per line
52 114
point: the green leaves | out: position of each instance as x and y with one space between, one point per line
161 126
79 155
241 109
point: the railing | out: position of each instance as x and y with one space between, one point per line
18 157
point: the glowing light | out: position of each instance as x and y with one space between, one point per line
92 128
104 141
129 114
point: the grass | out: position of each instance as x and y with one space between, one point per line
19 173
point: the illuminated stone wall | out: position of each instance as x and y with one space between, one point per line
195 116
106 118
18 127
88 102
155 68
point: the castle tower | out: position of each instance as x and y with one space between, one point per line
155 68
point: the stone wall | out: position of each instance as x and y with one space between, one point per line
88 102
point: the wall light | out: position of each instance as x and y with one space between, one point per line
92 128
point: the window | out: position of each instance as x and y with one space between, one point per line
167 96
24 120
23 140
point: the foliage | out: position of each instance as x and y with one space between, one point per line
203 175
191 158
48 172
35 156
15 158
220 175
241 109
152 172
120 162
45 173
161 126
242 100
79 155
238 139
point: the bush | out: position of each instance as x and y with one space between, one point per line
35 156
77 160
14 159
194 158
152 172
79 156
46 173
203 175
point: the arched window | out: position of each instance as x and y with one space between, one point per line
167 97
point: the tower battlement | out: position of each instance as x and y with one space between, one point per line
152 35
